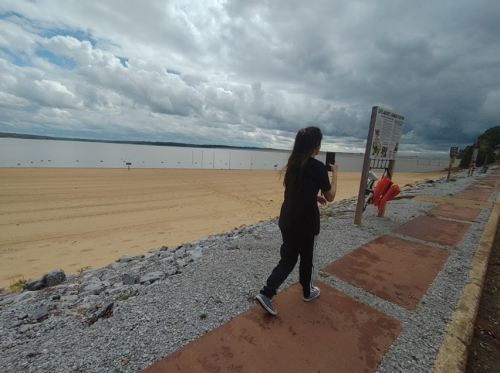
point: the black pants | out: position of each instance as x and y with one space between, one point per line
292 247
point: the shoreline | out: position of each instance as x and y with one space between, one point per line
72 218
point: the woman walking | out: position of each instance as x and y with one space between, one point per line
299 217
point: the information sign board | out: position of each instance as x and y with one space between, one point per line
387 134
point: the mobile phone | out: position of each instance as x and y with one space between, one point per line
330 159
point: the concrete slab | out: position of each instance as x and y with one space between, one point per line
394 269
475 192
334 333
455 201
455 212
491 180
426 228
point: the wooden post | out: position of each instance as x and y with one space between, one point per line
392 165
366 169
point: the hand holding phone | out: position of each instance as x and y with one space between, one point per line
330 160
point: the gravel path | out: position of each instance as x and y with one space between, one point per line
193 289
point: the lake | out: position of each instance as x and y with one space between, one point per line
58 153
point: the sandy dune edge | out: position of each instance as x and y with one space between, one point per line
72 218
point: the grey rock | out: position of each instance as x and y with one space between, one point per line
169 270
152 277
197 253
105 311
180 253
33 285
167 260
164 248
53 278
172 250
128 280
23 329
39 313
115 265
16 298
17 323
69 299
91 289
181 263
8 299
32 354
125 259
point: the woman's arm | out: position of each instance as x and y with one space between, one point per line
330 194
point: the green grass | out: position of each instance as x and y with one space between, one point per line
17 286
80 270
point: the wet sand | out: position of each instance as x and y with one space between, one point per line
73 218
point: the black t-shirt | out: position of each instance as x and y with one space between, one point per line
299 212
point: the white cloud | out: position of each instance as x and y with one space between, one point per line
11 100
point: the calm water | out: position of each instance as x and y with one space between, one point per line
54 153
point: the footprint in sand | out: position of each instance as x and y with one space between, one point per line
85 250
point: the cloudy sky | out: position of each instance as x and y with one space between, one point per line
251 73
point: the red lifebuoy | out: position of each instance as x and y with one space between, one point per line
380 189
390 194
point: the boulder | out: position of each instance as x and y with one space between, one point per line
33 285
39 313
151 277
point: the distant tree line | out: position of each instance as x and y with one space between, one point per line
156 143
487 143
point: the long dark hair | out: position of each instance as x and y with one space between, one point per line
306 141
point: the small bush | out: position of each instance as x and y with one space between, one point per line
18 285
80 270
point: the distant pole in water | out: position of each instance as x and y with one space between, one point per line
251 161
128 165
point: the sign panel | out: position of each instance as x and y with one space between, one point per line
387 134
474 154
453 151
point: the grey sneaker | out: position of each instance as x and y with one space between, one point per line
266 303
314 294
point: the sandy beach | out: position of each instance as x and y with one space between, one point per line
73 218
